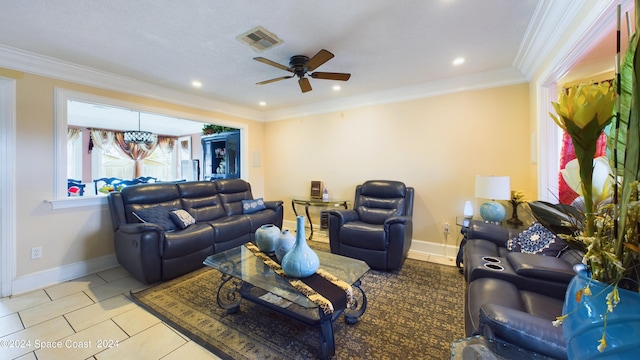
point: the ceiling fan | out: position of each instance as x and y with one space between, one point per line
301 65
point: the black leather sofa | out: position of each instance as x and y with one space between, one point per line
514 297
151 254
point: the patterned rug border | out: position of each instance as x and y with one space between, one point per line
195 338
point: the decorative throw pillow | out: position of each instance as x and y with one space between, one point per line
156 215
251 206
537 240
182 218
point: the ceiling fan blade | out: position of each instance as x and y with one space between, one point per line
273 80
318 59
304 85
330 76
273 63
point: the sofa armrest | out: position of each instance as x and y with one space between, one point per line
541 267
522 330
344 216
139 249
274 204
491 232
137 228
397 220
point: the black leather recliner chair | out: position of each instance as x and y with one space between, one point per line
379 228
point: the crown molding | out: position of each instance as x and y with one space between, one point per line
587 22
599 22
20 60
29 62
477 81
548 23
587 33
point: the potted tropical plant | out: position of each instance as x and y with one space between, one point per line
209 129
601 314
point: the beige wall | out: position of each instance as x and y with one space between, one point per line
437 145
74 235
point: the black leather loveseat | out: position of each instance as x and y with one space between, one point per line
511 296
155 250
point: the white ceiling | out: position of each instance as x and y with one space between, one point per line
384 44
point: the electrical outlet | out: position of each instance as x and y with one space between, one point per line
446 227
36 252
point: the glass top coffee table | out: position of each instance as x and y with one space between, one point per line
245 276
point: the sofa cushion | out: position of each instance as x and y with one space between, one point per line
230 228
537 240
363 236
193 239
253 206
181 218
207 213
156 215
232 192
135 198
383 189
541 267
376 211
200 199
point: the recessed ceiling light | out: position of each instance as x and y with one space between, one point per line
458 61
196 84
262 103
336 87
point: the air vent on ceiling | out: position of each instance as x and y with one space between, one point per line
259 39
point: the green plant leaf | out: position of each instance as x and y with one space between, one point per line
626 93
631 155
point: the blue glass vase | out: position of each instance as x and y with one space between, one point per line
301 261
583 328
492 211
267 238
285 244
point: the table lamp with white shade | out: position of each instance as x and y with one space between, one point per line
494 188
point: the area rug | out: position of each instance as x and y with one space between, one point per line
413 313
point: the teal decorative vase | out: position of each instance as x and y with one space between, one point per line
584 326
492 211
285 244
267 237
301 261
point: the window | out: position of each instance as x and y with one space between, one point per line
164 165
111 162
74 154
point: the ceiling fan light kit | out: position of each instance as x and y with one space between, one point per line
301 66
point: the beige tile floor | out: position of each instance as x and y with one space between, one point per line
93 318
89 318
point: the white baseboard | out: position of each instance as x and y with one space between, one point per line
45 278
420 249
433 252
